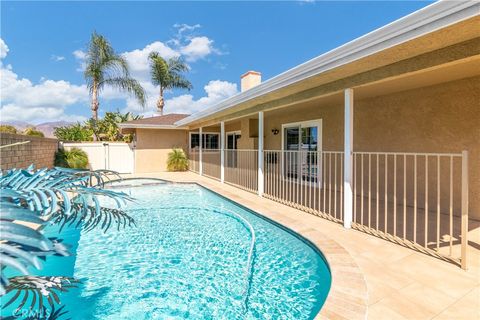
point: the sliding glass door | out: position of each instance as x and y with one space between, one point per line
232 146
301 143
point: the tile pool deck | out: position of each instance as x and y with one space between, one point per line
372 278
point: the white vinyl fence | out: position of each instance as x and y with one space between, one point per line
116 156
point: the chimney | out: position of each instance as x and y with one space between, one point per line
250 79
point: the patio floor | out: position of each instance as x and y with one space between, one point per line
401 283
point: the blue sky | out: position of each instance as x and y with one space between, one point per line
43 42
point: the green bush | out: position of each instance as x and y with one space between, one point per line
33 132
7 128
73 158
177 160
74 132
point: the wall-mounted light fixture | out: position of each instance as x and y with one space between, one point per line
275 131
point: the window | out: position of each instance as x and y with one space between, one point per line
210 141
305 138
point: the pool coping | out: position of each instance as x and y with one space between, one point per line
348 295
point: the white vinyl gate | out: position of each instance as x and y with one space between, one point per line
116 156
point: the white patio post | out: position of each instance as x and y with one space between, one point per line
260 153
348 161
200 148
222 151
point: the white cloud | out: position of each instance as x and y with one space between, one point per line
3 49
23 100
197 48
49 92
138 59
183 27
12 112
57 58
80 56
216 91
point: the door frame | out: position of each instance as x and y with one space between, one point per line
233 163
229 133
302 124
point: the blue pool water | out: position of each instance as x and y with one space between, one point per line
187 258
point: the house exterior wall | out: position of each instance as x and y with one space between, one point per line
39 151
153 145
443 118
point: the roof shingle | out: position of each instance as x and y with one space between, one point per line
165 120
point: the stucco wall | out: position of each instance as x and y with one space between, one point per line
153 146
40 151
440 118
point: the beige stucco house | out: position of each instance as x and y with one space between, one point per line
381 134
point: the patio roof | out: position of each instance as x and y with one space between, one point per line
159 122
393 42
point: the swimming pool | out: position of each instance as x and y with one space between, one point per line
188 258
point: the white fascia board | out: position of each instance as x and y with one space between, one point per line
426 20
148 126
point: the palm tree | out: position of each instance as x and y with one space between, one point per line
167 75
105 67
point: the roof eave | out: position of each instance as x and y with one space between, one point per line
149 126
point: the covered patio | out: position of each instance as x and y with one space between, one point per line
391 157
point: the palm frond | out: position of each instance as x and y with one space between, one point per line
30 199
91 217
180 82
168 74
129 85
106 67
177 64
32 291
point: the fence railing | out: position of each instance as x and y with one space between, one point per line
241 168
194 161
211 163
308 180
417 199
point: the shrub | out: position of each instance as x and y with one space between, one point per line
7 128
73 158
74 132
177 160
33 132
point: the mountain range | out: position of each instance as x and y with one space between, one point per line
46 127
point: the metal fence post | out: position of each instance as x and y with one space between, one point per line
464 235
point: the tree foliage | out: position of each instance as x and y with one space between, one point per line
32 199
73 132
177 160
167 74
33 132
104 67
73 158
8 128
104 129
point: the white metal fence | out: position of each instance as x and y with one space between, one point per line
194 161
116 156
241 168
417 199
308 180
211 163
